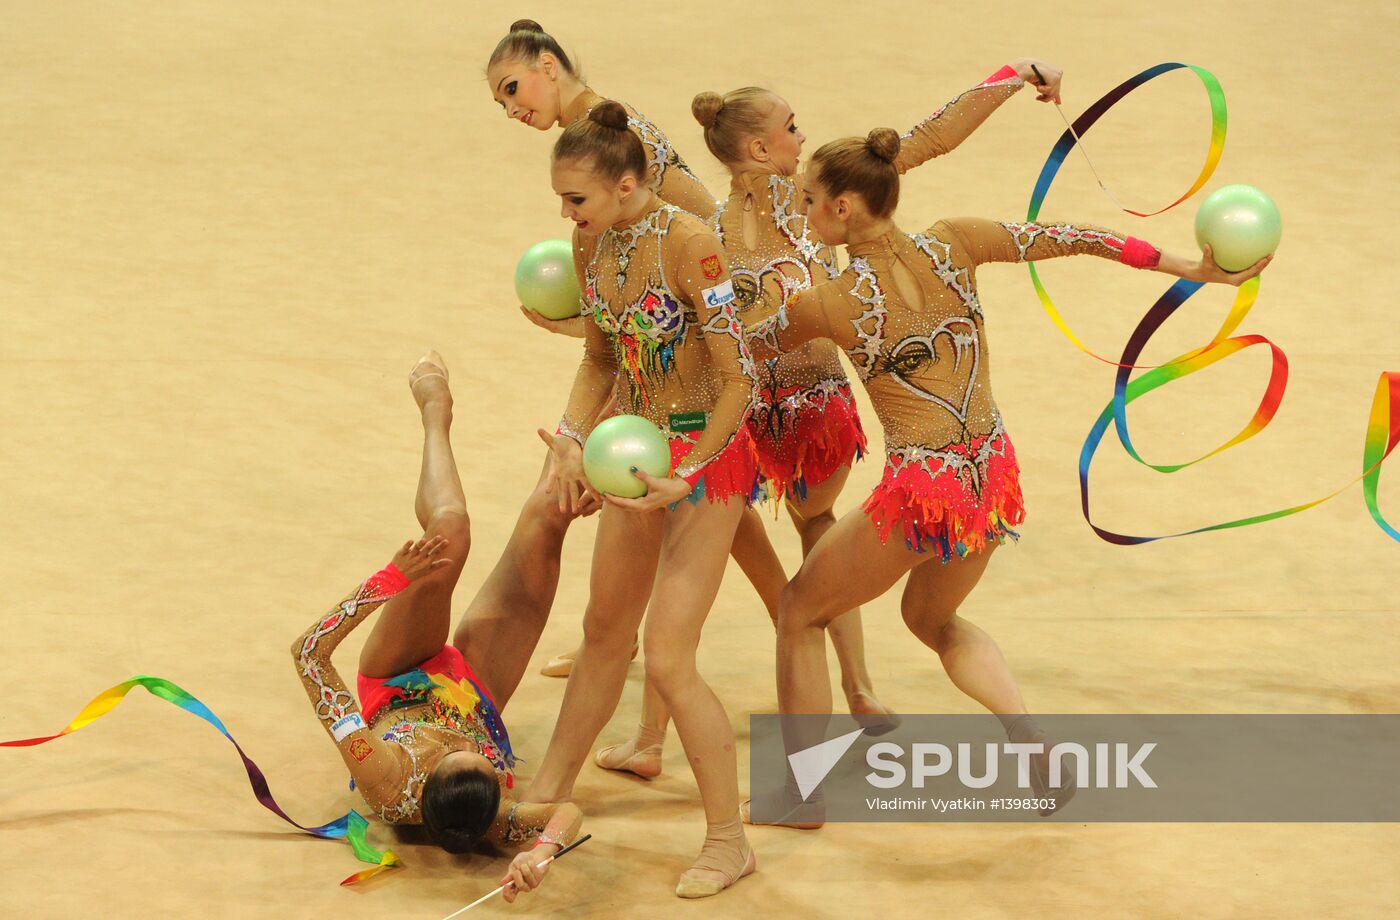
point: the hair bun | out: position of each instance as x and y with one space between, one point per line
705 107
609 114
526 25
884 143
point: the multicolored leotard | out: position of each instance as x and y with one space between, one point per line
951 481
413 720
804 424
662 303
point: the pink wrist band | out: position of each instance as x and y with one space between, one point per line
1006 73
1139 253
388 580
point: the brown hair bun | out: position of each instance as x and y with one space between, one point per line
884 143
604 141
864 166
525 42
705 107
609 114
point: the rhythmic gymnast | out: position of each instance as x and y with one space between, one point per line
656 285
425 743
907 314
804 422
536 83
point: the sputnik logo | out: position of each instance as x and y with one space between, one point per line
811 765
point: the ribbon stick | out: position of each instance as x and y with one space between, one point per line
1072 137
491 894
351 827
1383 427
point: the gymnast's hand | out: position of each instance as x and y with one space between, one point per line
525 872
1207 271
1046 82
418 559
566 479
572 327
661 493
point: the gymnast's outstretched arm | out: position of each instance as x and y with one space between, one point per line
552 826
982 241
372 763
955 121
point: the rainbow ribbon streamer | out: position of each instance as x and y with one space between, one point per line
1383 428
351 827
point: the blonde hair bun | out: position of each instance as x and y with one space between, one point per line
705 107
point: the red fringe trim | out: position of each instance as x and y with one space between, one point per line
733 472
813 445
943 512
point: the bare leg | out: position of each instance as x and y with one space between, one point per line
413 626
848 566
972 658
812 518
759 562
754 553
500 629
757 559
693 552
615 607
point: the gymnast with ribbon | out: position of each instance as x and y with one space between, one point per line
907 313
425 743
804 424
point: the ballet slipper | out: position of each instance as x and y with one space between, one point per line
560 665
1040 782
563 665
641 755
720 863
798 818
793 810
435 367
1024 730
870 714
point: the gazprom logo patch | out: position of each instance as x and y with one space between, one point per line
719 295
347 726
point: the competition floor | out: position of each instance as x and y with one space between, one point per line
226 232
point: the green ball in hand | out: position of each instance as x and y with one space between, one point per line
545 280
1240 224
618 444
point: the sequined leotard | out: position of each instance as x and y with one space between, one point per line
951 481
662 304
804 424
391 757
672 180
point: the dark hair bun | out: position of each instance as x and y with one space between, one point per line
526 25
884 143
609 114
705 107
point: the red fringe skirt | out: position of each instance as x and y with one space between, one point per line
810 444
733 472
953 501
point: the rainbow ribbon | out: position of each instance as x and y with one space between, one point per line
351 827
1383 428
